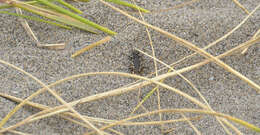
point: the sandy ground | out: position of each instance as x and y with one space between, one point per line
200 23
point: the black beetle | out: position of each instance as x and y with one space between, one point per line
136 58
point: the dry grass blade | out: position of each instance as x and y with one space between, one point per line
27 28
102 41
17 132
228 53
192 126
241 6
255 35
168 131
197 111
31 118
34 38
64 115
59 46
192 47
43 107
116 132
161 121
221 38
190 123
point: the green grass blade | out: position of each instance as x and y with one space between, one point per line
69 6
83 0
149 94
84 20
123 3
54 16
35 19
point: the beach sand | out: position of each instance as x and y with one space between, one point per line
200 23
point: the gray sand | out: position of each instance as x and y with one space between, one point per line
200 23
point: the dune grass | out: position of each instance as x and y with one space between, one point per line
50 10
67 111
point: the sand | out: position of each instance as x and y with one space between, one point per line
200 23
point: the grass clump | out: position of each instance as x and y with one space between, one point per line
48 9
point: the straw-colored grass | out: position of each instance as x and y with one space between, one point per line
105 126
